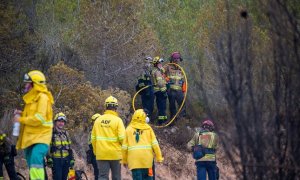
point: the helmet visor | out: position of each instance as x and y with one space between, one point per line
61 118
27 79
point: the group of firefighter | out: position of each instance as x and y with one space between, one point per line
47 142
164 82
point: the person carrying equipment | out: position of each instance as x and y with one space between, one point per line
138 146
160 88
208 140
107 137
36 123
147 94
60 158
7 154
176 85
91 158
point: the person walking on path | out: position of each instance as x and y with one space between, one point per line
90 154
138 146
208 139
107 137
36 123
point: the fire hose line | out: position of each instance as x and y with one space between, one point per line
181 106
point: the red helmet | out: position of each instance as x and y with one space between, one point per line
175 55
208 124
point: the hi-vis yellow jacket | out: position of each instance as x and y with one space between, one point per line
107 136
36 120
159 81
208 140
140 154
175 76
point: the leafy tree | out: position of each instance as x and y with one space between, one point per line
79 100
112 42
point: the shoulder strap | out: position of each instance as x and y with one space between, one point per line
69 142
52 147
199 137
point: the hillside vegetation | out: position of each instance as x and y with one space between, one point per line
241 59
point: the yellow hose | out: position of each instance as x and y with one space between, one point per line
182 104
133 99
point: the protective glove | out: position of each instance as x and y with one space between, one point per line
50 162
72 163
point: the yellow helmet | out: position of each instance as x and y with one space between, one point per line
35 76
111 102
60 116
95 116
139 116
157 59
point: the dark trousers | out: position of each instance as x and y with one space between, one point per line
153 169
148 103
9 163
206 166
91 159
161 101
60 168
141 174
175 97
95 167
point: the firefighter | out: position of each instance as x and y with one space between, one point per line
147 94
176 87
36 123
91 158
208 139
160 88
139 146
107 136
60 158
7 154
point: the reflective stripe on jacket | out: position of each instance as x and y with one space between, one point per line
107 136
176 77
159 81
36 120
144 80
60 144
207 140
140 154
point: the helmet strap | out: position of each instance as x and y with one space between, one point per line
28 87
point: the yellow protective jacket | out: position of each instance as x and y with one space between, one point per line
140 154
107 136
159 81
36 119
175 76
208 140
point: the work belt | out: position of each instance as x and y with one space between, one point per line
209 150
163 89
58 154
162 117
175 87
